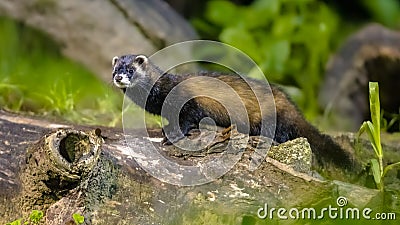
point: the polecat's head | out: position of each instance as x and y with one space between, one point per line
128 70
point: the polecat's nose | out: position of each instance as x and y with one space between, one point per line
118 78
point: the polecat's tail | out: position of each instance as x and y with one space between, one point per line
291 124
327 150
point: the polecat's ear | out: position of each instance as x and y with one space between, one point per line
114 60
141 59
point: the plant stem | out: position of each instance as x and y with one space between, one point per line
380 159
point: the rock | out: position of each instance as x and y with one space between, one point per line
353 193
295 153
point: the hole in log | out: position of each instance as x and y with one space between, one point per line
73 146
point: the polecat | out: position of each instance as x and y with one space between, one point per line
193 101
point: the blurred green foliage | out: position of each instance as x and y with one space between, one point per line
291 41
35 77
386 12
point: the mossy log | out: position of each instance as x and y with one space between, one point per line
64 169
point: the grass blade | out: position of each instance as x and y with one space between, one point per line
375 115
389 167
376 171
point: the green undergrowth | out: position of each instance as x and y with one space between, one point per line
373 129
291 41
36 78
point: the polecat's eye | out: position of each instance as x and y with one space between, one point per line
130 71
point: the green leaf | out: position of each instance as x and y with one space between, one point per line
36 216
389 167
368 127
260 13
276 54
280 52
241 39
375 115
222 13
376 171
285 26
79 219
268 7
362 130
374 102
15 222
371 134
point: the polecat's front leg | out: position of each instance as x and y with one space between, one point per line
173 132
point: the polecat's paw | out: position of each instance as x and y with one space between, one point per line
172 138
275 143
165 141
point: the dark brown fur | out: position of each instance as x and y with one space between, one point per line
208 98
